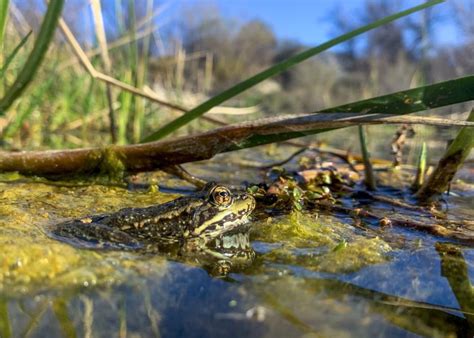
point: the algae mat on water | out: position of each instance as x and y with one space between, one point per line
320 243
31 261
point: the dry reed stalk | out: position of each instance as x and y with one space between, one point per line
124 40
102 39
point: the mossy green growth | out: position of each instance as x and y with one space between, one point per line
10 176
32 261
355 255
320 243
297 230
112 165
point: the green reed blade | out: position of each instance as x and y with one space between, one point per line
33 62
404 102
60 310
12 55
414 100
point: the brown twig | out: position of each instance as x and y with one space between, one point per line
81 55
179 171
345 156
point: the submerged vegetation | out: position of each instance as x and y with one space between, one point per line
88 117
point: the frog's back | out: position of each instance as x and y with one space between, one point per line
169 220
129 227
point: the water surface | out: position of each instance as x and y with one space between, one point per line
315 275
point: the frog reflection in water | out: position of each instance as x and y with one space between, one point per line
211 224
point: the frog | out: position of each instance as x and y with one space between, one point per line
213 222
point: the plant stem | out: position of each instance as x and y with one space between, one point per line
448 165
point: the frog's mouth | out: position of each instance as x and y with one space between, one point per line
226 220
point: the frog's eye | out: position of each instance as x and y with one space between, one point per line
221 196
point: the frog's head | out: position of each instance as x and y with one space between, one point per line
221 212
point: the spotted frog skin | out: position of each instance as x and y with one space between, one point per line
201 219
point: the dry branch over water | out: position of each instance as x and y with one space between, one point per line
156 155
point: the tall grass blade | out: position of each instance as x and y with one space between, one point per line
36 56
3 19
404 102
126 101
448 165
12 55
274 70
369 179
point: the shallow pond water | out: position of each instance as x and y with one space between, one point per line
314 275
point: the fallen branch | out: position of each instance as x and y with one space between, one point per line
155 155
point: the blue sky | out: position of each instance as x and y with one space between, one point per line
308 21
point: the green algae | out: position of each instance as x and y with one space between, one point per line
320 243
354 256
30 260
112 165
297 230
